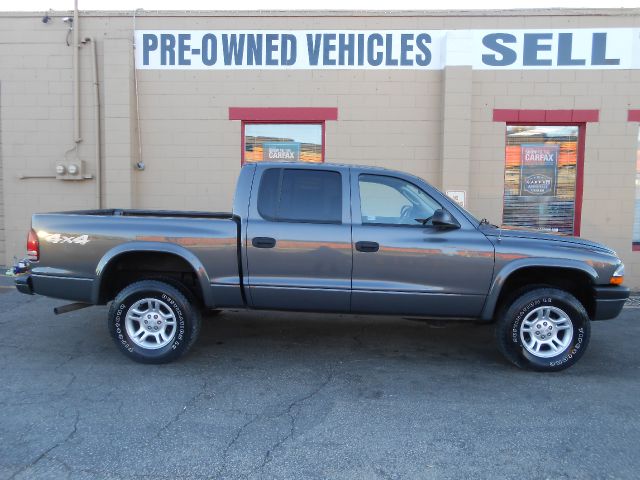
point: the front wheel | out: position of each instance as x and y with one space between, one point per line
153 322
545 329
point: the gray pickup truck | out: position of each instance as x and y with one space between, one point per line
326 238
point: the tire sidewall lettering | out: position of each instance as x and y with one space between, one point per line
180 340
566 357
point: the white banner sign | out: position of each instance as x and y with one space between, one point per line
609 48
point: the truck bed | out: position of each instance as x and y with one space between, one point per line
77 247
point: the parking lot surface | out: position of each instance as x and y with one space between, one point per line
293 396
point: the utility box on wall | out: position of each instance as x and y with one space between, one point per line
72 170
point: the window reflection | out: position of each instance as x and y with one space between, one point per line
540 177
636 221
292 142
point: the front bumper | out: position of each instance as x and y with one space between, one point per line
24 284
608 301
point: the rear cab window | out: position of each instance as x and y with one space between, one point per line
300 195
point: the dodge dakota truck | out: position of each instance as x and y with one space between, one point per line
326 238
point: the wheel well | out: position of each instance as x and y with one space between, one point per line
131 267
576 282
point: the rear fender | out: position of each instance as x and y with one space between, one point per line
159 247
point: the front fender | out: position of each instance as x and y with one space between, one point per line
507 270
159 247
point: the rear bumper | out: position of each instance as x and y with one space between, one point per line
24 284
608 301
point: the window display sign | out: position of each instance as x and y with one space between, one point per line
541 164
636 222
281 152
283 142
538 169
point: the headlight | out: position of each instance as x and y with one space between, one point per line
618 276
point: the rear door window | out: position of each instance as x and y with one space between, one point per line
300 195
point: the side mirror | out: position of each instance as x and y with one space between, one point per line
443 219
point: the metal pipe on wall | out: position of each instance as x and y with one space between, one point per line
76 76
96 118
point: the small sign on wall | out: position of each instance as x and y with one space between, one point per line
458 196
281 152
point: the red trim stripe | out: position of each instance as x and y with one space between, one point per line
547 116
290 114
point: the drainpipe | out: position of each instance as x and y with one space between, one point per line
96 119
76 77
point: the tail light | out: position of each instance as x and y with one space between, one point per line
33 246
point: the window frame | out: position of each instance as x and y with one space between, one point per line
267 218
634 116
395 225
244 123
582 130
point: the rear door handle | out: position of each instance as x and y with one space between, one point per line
263 242
367 246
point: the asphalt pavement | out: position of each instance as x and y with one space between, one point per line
296 396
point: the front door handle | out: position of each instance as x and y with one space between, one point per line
367 246
263 242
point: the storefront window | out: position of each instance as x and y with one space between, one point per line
284 142
636 221
540 177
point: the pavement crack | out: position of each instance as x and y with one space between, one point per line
293 411
188 404
44 454
232 442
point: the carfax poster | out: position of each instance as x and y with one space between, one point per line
281 151
539 170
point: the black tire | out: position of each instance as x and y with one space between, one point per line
181 335
565 352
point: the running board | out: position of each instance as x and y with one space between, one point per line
70 308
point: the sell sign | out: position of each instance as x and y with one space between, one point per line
281 152
539 167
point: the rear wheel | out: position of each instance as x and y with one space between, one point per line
153 322
545 329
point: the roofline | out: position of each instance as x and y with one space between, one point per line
529 12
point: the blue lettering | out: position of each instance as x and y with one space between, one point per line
254 49
233 48
183 48
272 47
389 60
565 46
405 48
288 49
374 58
599 51
360 49
346 46
532 46
328 40
313 46
167 49
424 58
209 49
149 44
492 42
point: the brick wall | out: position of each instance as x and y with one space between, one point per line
435 124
